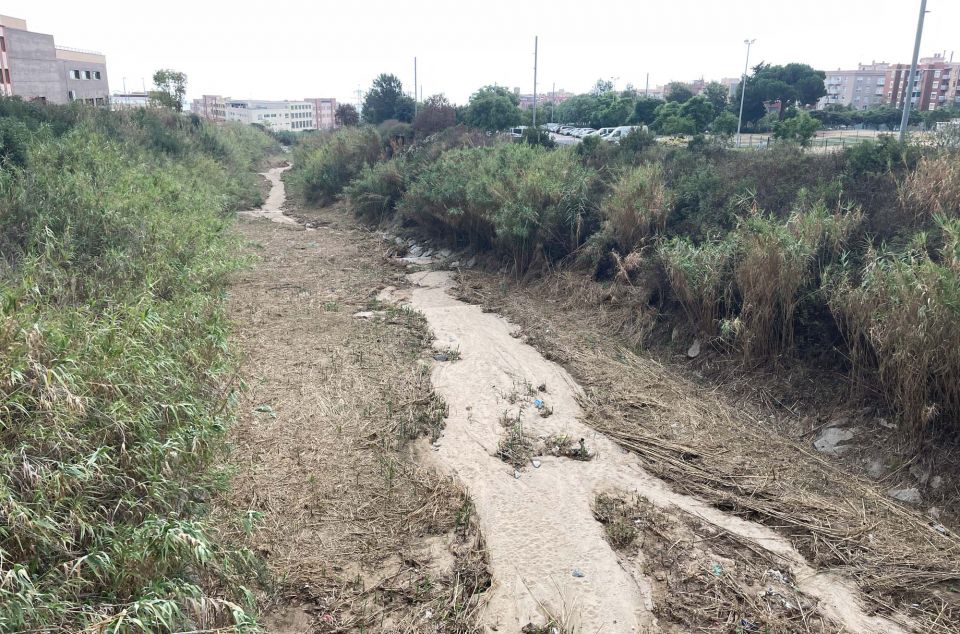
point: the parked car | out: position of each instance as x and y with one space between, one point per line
566 130
619 132
517 132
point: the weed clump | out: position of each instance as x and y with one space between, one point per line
326 163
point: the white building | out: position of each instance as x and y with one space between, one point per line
275 115
129 100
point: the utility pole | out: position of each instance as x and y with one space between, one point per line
553 101
743 87
359 92
908 95
534 81
646 90
415 84
124 85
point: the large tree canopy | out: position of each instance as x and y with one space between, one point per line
170 86
793 84
434 115
492 108
385 100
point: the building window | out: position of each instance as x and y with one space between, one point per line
96 74
3 44
6 75
86 74
75 74
71 95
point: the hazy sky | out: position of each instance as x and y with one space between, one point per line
297 48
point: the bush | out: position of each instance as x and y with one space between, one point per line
933 188
536 136
525 202
637 206
902 320
374 194
113 366
324 164
701 277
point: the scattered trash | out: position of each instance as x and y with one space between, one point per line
542 387
909 495
749 625
440 356
428 614
940 528
831 441
538 403
536 464
694 350
365 314
717 570
578 573
516 474
327 618
266 409
776 575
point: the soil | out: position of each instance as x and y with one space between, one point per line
422 464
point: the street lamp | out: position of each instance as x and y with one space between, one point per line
743 88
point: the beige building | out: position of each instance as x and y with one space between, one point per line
212 107
274 115
33 67
859 89
325 110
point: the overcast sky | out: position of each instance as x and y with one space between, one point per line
298 48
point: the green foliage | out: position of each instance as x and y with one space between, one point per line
492 108
386 100
901 313
701 277
170 88
346 115
791 84
434 115
718 96
678 92
324 164
878 156
644 111
113 258
375 192
636 208
724 125
798 129
525 202
537 136
670 120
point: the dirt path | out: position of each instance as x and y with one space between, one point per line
549 557
272 208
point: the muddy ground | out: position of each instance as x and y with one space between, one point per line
415 462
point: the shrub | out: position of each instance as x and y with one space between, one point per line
901 314
324 164
776 260
701 277
536 136
113 365
933 188
523 201
637 206
374 194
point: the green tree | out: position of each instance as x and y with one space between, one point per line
385 100
716 93
644 110
434 115
678 91
800 129
492 108
170 87
670 121
346 115
793 84
601 86
699 110
725 124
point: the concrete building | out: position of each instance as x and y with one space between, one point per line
325 110
275 115
859 89
546 98
129 100
212 107
33 67
935 85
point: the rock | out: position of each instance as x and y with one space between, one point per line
933 512
675 334
876 469
516 474
444 253
830 441
416 250
918 472
472 262
910 495
536 463
365 314
578 573
694 350
398 241
455 264
936 482
440 356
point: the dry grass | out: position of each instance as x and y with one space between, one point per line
351 527
933 188
706 579
731 454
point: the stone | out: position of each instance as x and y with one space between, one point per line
876 469
472 262
936 482
444 253
694 350
416 250
910 495
831 439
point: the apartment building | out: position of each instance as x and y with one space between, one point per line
935 85
212 107
547 98
859 89
325 111
33 67
275 115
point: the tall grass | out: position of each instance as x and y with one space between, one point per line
113 375
701 277
636 207
901 313
525 202
326 163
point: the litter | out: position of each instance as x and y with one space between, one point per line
538 403
441 357
578 573
717 570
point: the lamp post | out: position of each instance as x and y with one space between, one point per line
908 94
743 88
